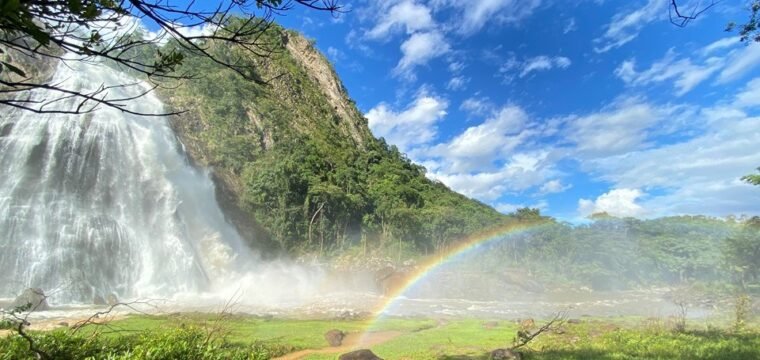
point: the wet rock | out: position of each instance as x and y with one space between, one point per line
5 130
505 354
363 354
63 323
334 337
33 296
111 299
99 300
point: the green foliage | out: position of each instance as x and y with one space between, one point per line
187 342
753 179
613 254
749 30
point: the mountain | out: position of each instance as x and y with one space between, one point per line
296 166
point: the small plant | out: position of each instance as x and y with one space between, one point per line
742 310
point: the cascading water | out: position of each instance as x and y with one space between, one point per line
107 202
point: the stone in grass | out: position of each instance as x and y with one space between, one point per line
505 354
334 337
363 354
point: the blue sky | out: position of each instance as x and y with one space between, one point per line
574 107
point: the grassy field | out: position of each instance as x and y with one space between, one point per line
408 338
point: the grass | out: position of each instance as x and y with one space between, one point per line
591 338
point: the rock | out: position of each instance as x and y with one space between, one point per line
111 299
98 300
363 354
505 354
490 324
33 296
574 321
527 323
334 337
63 323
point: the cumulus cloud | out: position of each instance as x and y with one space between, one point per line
616 202
627 23
621 127
407 16
698 175
418 50
414 125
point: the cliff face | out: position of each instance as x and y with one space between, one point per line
296 165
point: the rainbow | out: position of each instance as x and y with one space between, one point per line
459 249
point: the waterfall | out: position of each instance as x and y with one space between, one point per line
105 203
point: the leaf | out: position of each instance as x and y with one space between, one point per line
14 69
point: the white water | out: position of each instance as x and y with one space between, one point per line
107 203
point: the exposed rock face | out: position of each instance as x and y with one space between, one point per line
334 337
363 354
35 297
505 354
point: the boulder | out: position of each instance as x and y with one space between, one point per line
63 323
98 300
334 337
35 297
490 324
363 354
111 299
505 354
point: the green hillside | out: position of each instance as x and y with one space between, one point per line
297 166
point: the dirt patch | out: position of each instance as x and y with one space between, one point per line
352 341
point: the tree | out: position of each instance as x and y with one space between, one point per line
110 31
682 14
753 179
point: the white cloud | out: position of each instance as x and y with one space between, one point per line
538 63
335 54
542 63
458 83
476 106
721 44
623 126
684 74
626 25
740 62
696 176
406 15
418 50
415 125
475 14
554 186
519 172
617 202
570 26
750 95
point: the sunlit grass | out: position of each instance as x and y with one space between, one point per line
588 338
